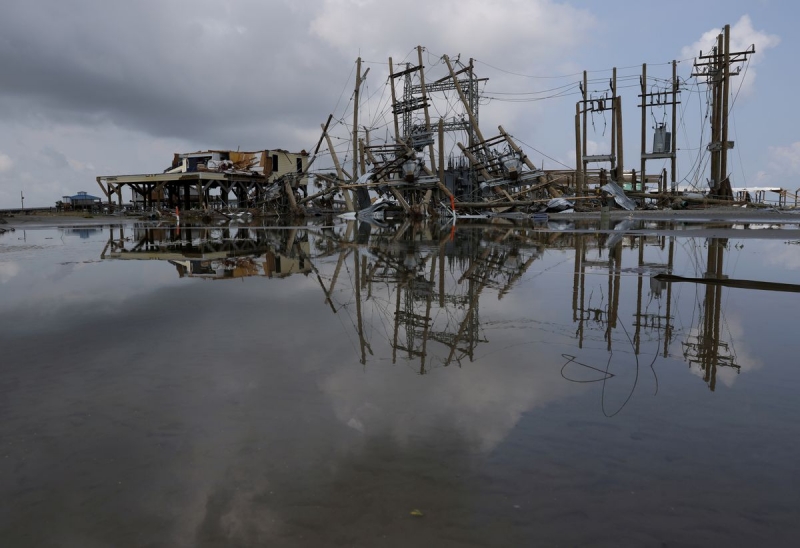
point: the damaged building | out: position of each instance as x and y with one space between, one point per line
213 179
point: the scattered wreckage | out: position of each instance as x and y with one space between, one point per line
409 174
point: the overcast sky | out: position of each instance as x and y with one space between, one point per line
93 87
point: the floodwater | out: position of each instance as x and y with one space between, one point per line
341 385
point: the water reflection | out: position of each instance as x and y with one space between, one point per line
352 373
84 233
705 347
214 253
419 286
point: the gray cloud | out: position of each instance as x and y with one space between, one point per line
54 158
175 69
122 86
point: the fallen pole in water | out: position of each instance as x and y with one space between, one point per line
741 284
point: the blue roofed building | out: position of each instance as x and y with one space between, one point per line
81 200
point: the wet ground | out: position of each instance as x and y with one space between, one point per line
416 385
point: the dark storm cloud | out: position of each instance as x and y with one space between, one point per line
194 70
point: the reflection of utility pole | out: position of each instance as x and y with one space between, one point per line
668 331
578 287
427 327
608 315
705 349
614 279
637 332
653 321
357 292
470 321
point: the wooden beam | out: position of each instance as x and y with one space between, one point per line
400 199
355 117
578 149
287 186
727 282
394 101
316 149
620 148
642 168
726 77
403 73
348 201
585 136
441 150
674 144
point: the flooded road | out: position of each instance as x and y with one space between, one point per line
414 385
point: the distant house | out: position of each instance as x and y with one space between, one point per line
81 200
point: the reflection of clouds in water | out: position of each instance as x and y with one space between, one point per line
727 376
72 288
742 353
60 272
45 311
783 255
8 270
732 333
196 420
481 401
233 517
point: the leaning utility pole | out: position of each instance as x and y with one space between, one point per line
715 67
359 80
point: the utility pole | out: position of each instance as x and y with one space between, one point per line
355 118
715 67
359 79
22 199
424 92
586 105
664 142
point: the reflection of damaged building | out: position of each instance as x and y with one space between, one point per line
214 178
271 265
215 253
